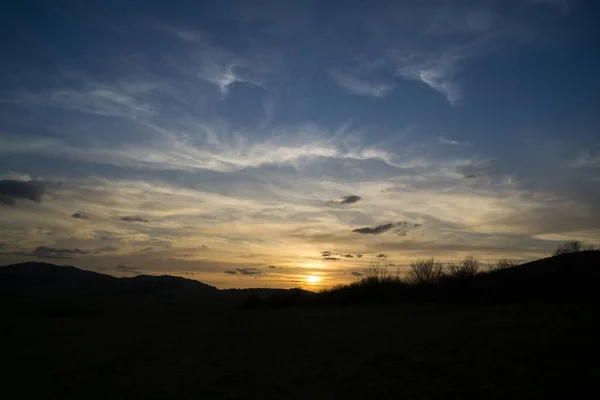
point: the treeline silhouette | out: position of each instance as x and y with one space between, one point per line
571 272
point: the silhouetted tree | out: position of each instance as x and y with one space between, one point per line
424 272
467 268
570 246
377 272
501 264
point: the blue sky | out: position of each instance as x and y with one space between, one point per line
237 141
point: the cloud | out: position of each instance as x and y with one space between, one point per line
125 268
381 255
272 266
359 255
325 253
331 258
358 86
134 219
11 190
354 273
94 99
437 72
80 215
223 68
210 149
249 271
374 231
53 252
351 199
230 272
450 142
348 256
585 160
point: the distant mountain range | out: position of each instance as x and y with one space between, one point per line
45 288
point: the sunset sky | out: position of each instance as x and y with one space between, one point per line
290 143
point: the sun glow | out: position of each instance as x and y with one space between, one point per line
311 279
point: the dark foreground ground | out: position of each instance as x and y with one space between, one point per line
418 352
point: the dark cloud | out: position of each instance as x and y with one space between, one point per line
134 219
249 271
52 252
7 201
381 255
272 266
374 231
330 258
146 249
357 273
230 272
80 215
348 256
125 268
11 190
359 255
400 228
471 171
346 200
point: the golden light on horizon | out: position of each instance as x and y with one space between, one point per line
312 279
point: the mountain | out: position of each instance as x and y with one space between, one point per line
64 290
50 289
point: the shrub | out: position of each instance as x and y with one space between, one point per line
424 272
377 272
570 246
467 268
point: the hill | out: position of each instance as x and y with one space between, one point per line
165 346
573 275
48 289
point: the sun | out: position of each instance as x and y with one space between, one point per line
313 279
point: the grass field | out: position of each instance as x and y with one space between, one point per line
419 352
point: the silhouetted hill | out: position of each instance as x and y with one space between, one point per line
45 275
37 274
557 278
64 290
152 282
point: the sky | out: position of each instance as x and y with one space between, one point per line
291 143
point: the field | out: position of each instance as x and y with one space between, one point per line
544 350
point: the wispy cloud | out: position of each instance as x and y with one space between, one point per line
182 152
105 101
436 71
354 85
451 142
585 159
